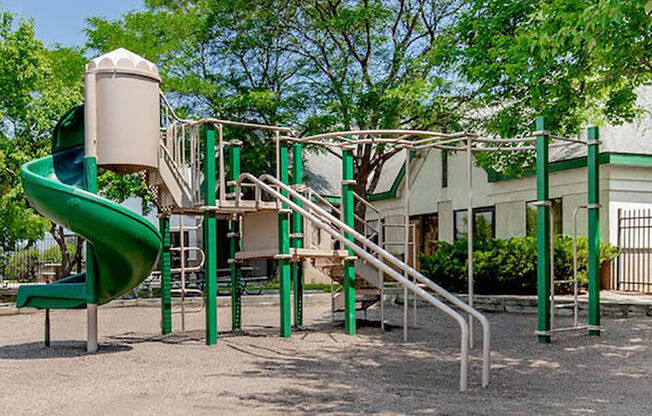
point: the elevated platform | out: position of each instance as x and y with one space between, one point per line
295 253
229 207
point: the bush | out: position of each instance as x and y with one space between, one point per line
507 266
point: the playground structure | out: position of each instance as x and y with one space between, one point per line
192 169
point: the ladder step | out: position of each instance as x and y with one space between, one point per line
564 305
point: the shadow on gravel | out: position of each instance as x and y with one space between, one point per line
58 349
377 373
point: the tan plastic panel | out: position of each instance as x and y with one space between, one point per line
128 120
260 231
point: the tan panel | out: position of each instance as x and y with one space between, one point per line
128 122
260 231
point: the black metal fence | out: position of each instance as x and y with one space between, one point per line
37 262
634 265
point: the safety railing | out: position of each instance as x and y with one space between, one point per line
381 262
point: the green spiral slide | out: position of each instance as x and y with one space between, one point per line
126 245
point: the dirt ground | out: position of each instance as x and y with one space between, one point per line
319 370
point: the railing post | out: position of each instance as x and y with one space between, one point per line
347 218
297 240
593 167
284 246
165 266
543 231
235 244
210 238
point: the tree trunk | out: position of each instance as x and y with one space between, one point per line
68 259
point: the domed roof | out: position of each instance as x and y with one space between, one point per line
123 60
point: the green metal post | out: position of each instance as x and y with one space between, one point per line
165 262
90 173
284 248
543 231
210 238
349 265
234 246
297 240
593 153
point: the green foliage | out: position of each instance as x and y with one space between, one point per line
507 266
572 61
319 66
37 85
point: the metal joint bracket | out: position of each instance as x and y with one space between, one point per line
299 187
595 328
541 133
593 206
546 203
283 257
233 235
350 258
285 211
593 142
349 182
296 235
233 261
234 142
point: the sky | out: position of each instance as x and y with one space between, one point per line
63 21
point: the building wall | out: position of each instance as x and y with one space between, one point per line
621 186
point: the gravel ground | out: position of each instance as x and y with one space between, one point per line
319 370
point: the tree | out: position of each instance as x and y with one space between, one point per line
37 85
318 65
573 61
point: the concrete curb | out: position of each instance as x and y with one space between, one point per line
613 308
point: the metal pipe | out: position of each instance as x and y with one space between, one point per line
552 269
91 328
406 238
469 230
47 328
182 255
387 269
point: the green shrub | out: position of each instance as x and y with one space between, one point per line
507 266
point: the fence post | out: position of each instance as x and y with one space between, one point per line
543 231
593 166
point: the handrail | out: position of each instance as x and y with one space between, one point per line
377 262
411 271
366 203
355 216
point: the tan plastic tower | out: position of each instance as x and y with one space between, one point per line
122 111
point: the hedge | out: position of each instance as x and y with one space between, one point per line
507 266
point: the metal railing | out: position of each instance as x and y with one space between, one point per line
633 268
384 262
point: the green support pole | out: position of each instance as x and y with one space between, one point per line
90 173
543 231
210 238
284 248
593 155
349 265
235 246
297 240
166 263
